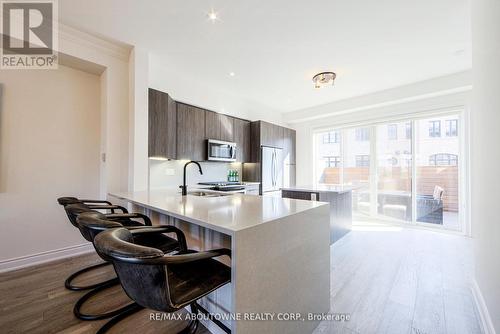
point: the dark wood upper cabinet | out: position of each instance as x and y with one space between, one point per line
241 130
219 127
271 134
162 125
266 133
190 133
255 141
279 133
289 142
212 125
226 127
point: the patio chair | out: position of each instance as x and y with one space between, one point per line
430 207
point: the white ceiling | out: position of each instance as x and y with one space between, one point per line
275 47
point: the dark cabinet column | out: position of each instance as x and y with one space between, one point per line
242 139
162 125
190 133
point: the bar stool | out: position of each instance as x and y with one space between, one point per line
86 205
160 281
73 211
90 224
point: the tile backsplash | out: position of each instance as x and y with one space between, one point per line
168 174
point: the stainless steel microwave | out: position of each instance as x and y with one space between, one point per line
219 150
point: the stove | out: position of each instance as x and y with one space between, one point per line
224 186
221 183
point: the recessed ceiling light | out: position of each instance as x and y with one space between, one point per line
212 16
232 74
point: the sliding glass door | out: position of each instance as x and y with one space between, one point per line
356 168
404 171
437 175
343 157
394 170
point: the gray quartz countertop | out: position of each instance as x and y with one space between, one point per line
226 214
321 188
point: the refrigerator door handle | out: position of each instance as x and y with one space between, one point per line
274 168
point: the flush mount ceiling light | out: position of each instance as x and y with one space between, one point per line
324 79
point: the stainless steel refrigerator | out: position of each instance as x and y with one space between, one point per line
271 169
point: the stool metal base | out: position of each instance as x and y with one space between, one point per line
191 328
88 317
68 283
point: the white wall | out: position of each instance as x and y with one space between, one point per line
114 59
485 136
138 120
363 110
168 174
110 61
50 147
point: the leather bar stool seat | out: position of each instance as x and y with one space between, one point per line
90 224
86 205
160 281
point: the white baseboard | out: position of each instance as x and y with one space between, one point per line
486 321
36 259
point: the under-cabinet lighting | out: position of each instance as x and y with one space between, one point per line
159 158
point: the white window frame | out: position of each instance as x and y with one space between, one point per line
463 160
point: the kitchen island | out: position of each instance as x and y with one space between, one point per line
280 261
340 199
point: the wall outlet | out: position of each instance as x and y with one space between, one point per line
169 171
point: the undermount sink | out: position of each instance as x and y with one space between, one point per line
206 194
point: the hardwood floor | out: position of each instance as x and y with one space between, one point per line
34 300
399 280
388 279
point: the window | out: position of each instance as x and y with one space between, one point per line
331 137
395 166
392 131
451 127
362 161
332 161
443 159
362 134
392 161
434 128
408 130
